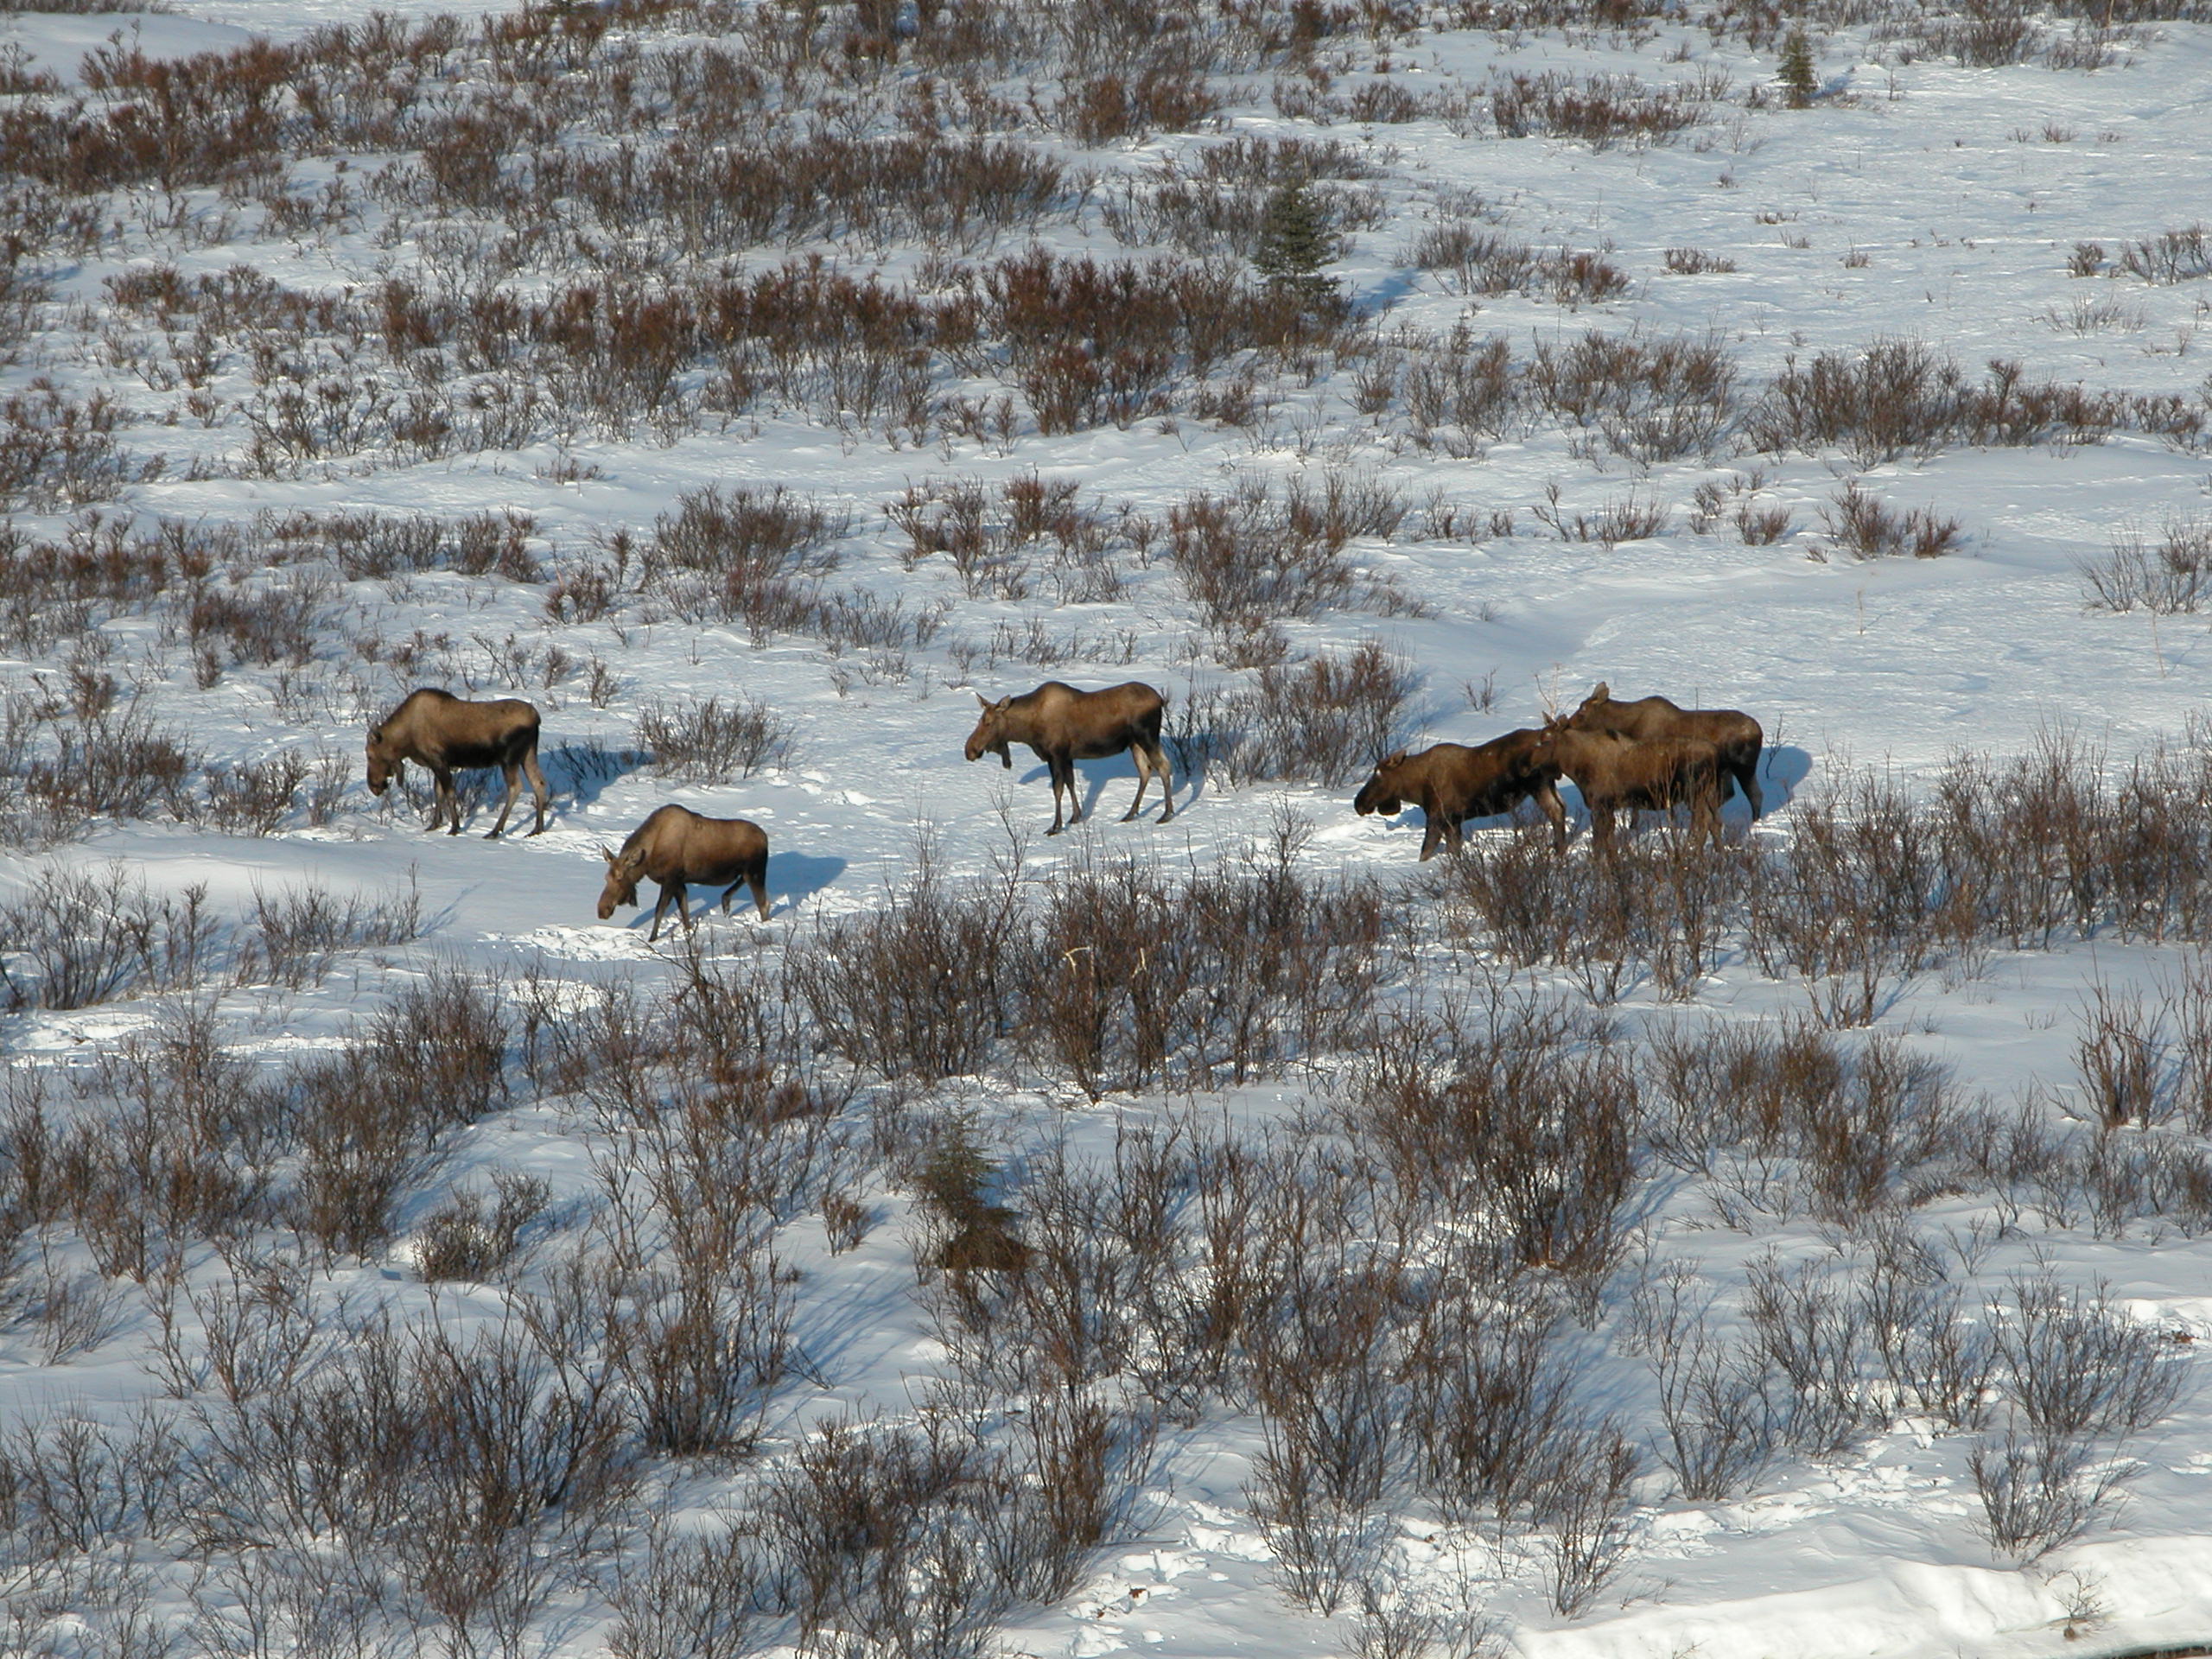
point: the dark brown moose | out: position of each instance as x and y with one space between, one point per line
1735 734
448 735
679 848
1451 782
1616 774
1063 726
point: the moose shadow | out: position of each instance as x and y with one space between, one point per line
1095 776
801 876
580 772
1782 768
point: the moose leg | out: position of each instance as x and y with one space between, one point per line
514 788
538 788
1054 767
445 804
1074 787
1144 778
671 892
1601 828
1548 802
1158 753
1748 777
756 879
1450 817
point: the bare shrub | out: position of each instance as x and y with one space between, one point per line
1321 1545
1898 396
1586 1515
1630 517
252 798
1600 109
1653 401
2120 1054
1480 261
1809 1329
1939 1360
1511 1123
57 452
62 774
1695 261
742 556
703 1348
1986 32
918 988
296 933
1458 393
356 1158
709 743
2168 579
1251 556
2170 255
1861 525
2038 1492
82 938
1870 1124
688 1596
1328 719
2078 1369
1719 1425
871 1533
467 1238
1495 1407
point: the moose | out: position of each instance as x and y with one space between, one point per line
1734 734
1062 726
1451 782
680 848
448 735
1616 774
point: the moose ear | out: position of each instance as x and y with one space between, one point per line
985 700
999 708
1390 760
608 853
1603 694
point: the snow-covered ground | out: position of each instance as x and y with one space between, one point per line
1918 199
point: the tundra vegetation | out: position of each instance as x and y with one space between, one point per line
387 1268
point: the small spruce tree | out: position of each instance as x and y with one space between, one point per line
1799 77
1295 242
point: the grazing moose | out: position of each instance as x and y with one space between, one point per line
679 848
448 735
1615 773
1735 734
1451 782
1063 726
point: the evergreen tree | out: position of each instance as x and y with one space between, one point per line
1798 76
1295 242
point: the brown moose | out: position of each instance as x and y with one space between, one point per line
1451 782
679 848
448 735
1734 734
1616 774
1062 726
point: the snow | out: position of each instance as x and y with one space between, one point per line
1939 174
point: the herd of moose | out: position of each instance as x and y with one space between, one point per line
1623 756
